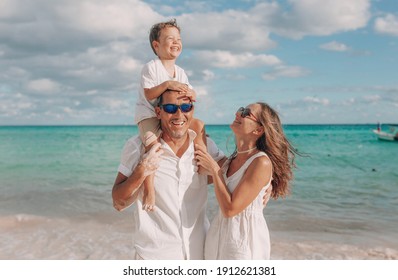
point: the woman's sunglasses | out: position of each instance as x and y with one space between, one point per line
172 108
247 113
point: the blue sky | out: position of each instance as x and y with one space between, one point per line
315 61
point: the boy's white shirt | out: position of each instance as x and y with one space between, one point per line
153 73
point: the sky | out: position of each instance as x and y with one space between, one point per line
78 62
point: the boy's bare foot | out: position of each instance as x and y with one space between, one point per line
148 201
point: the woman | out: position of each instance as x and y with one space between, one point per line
263 158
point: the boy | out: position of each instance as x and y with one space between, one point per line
157 76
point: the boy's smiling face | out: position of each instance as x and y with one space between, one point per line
169 45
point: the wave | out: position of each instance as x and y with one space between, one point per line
313 250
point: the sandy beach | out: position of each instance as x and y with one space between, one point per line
27 237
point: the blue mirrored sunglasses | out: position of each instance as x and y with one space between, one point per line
172 108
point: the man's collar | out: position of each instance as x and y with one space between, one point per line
192 134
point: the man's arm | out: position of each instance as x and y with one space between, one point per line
125 189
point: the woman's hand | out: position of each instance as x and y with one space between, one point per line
204 159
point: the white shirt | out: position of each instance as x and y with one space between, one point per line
178 226
153 74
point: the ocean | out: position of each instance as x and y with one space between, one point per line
56 182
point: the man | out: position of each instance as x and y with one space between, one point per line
177 227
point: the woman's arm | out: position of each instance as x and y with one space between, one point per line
220 164
255 178
257 175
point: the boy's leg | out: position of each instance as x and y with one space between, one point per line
199 127
149 131
148 200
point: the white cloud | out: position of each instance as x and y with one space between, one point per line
236 77
387 25
321 17
226 59
335 46
44 86
68 110
201 91
349 102
112 19
316 100
387 90
9 107
234 30
208 75
14 71
372 98
112 103
285 71
72 25
90 52
243 31
128 65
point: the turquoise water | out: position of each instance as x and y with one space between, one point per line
347 189
56 183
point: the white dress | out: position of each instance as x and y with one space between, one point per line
244 236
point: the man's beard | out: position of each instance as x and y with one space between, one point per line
177 134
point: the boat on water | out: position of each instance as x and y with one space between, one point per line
391 135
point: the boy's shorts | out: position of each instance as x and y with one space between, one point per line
151 124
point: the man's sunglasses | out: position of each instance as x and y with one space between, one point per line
172 108
247 113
